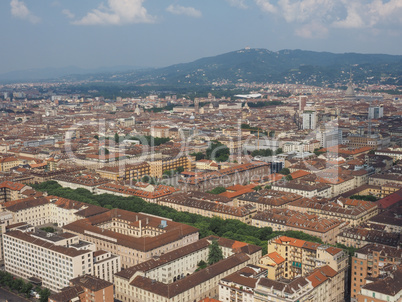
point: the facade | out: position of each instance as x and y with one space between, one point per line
133 236
309 119
327 229
85 288
302 257
267 199
173 276
368 262
239 174
53 259
12 191
358 237
320 285
386 288
304 189
205 205
353 211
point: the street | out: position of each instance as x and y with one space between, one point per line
5 295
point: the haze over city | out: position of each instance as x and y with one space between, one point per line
93 33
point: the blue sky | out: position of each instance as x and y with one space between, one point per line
94 33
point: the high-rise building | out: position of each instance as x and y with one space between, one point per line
376 112
309 119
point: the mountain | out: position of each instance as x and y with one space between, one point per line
246 65
37 74
261 65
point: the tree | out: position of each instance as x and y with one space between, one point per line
26 288
217 190
44 295
215 252
218 151
198 155
116 138
96 137
180 169
279 151
284 171
288 177
257 188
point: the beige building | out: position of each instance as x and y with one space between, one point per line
173 276
135 237
206 205
304 189
368 263
12 191
353 211
327 229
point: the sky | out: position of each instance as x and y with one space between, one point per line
157 33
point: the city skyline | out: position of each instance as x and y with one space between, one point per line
155 34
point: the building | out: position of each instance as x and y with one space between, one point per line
358 237
135 237
320 285
304 189
327 229
309 119
267 199
85 288
355 212
207 205
376 112
302 257
385 288
54 259
239 174
368 262
174 275
12 191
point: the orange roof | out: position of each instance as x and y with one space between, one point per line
14 186
278 259
299 173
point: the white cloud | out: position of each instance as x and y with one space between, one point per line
238 3
68 13
117 12
181 10
312 31
266 6
19 10
309 14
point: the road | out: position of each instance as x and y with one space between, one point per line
10 297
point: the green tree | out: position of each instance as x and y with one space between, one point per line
218 151
288 177
217 190
284 171
198 155
116 138
279 151
44 295
96 136
257 188
180 169
26 288
215 252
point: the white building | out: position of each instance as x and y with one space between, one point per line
309 119
55 259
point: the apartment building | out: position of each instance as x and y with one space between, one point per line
327 229
386 288
267 199
6 219
135 237
202 204
238 174
304 189
302 257
319 285
174 276
12 191
358 237
85 288
54 259
353 211
368 262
